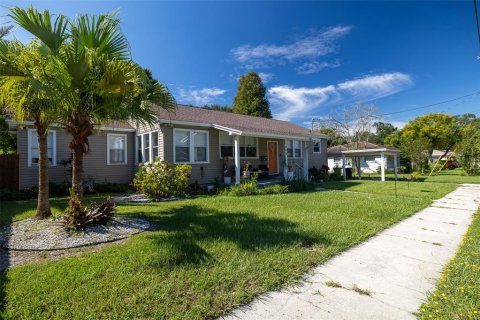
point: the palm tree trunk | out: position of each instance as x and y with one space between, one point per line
77 171
43 202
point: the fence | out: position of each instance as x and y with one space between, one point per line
9 171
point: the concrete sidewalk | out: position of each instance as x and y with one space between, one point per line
386 277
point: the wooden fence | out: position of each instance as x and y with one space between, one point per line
9 171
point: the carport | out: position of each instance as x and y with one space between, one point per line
357 155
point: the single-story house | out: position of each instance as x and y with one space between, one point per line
208 140
437 154
367 157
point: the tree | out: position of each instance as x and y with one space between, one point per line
382 131
353 123
218 107
418 151
250 98
8 143
333 138
469 148
30 88
441 130
105 83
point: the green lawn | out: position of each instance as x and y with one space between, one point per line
448 176
458 292
206 255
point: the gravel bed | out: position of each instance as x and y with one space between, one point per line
45 235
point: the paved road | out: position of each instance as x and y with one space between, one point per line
396 268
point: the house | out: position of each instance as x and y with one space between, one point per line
206 139
211 140
437 154
367 157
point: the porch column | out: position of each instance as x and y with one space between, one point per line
382 164
395 165
344 168
285 160
237 158
135 147
359 167
305 160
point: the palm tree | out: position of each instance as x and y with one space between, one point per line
29 83
5 30
105 83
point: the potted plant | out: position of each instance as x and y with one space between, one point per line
246 171
289 171
227 174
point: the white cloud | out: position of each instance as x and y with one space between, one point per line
315 66
266 77
200 96
308 47
294 103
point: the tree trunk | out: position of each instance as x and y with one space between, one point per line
43 202
77 171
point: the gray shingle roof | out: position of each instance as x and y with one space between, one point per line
244 123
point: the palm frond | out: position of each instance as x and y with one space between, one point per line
101 33
51 33
5 30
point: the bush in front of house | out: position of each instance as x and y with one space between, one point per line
159 179
298 185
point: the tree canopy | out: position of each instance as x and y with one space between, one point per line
250 98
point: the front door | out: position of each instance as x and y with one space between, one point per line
272 157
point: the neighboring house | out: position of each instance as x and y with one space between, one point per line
370 157
209 140
437 154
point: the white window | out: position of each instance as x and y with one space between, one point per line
154 145
190 146
316 146
248 146
148 144
33 149
117 149
294 148
146 148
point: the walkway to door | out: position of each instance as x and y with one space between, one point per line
386 277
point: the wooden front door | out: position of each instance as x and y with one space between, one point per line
272 147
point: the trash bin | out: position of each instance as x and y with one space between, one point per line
348 173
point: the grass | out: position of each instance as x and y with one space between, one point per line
205 256
444 176
457 295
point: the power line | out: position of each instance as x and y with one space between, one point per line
431 105
476 20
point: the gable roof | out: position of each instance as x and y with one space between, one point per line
242 124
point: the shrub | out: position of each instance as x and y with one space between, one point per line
274 189
12 195
159 179
247 188
298 185
110 187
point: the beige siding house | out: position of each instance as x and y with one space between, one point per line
214 143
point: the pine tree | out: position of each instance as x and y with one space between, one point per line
250 98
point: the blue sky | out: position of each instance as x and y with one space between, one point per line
314 57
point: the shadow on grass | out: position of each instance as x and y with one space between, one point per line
4 264
341 185
189 225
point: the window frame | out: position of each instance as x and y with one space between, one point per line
141 147
233 146
29 147
290 144
125 151
191 151
319 146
